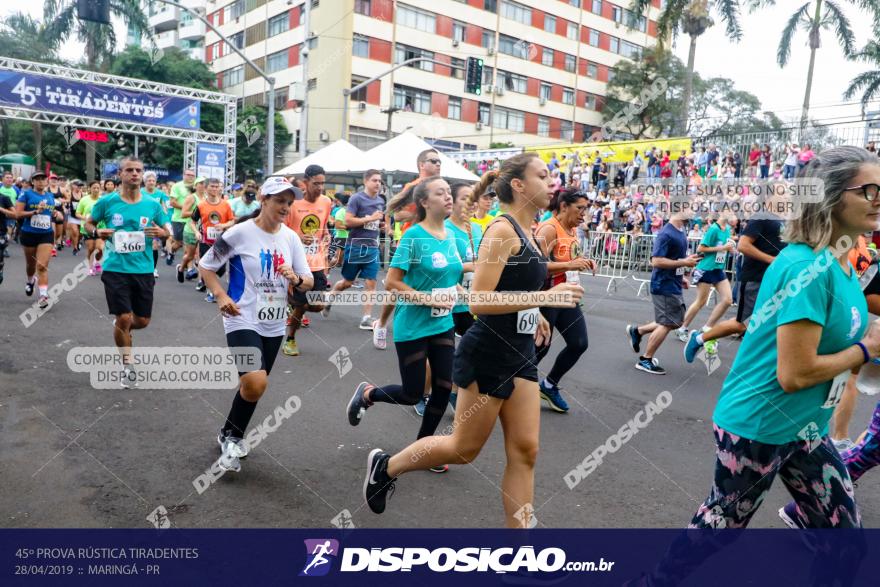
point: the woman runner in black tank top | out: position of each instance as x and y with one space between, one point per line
495 365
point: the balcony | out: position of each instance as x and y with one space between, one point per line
196 53
194 4
166 40
165 18
192 30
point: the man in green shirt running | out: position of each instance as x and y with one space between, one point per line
178 194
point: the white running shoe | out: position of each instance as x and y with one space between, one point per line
156 273
682 334
233 449
366 323
380 336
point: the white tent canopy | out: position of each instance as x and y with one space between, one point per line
339 158
398 155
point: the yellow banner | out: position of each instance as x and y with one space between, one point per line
612 152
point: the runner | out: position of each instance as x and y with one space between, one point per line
426 264
494 364
247 203
669 258
485 203
265 259
7 213
179 193
557 238
36 207
361 256
128 277
308 218
340 233
773 411
190 241
94 245
714 247
61 206
150 190
73 222
759 244
210 219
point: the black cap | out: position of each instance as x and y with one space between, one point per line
36 174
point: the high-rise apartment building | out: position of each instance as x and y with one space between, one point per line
546 65
173 27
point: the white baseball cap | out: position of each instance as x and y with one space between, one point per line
275 185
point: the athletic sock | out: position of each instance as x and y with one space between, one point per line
239 416
44 290
700 339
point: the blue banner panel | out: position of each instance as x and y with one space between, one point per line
457 558
211 161
60 96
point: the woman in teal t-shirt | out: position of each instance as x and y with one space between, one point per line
425 270
808 332
715 247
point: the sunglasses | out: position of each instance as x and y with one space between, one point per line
433 161
870 191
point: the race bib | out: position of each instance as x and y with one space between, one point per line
527 321
41 221
214 233
679 270
720 256
467 280
838 384
446 291
374 225
271 306
312 249
129 242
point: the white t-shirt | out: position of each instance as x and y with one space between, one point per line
255 285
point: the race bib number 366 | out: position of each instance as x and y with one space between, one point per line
129 242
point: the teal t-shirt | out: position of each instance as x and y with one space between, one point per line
162 198
132 219
714 237
429 264
547 215
467 252
752 404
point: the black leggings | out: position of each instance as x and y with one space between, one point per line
571 325
4 241
412 356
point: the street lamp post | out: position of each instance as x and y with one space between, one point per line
270 122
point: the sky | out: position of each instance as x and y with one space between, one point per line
751 63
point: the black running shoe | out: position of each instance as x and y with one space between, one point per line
650 366
169 259
1 277
201 287
635 339
357 405
179 274
29 289
378 486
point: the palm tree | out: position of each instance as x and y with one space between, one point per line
868 83
693 18
814 17
100 39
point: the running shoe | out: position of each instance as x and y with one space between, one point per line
67 243
1 277
844 444
420 407
788 514
453 398
290 349
326 311
439 469
29 288
179 274
380 336
242 446
75 251
128 377
210 298
44 302
635 339
201 287
6 253
553 398
378 486
651 366
156 273
169 259
357 405
366 323
98 269
692 347
54 251
230 458
357 285
711 347
305 322
681 334
191 274
92 272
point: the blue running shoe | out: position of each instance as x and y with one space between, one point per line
553 398
692 347
420 407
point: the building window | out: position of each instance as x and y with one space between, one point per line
276 61
630 50
570 63
597 7
616 13
572 31
614 46
281 95
412 100
611 73
590 102
567 129
592 70
233 77
543 126
312 84
512 81
417 19
490 5
512 120
484 114
403 53
575 3
454 109
362 7
457 68
549 23
458 31
594 38
488 40
545 91
517 12
512 46
237 39
488 76
361 94
547 57
360 46
234 10
278 24
567 96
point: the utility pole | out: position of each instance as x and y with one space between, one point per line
304 113
390 112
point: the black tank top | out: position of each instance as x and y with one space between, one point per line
524 271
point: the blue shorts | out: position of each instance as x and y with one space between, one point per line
358 260
712 276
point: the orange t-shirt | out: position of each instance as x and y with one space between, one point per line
310 219
859 256
210 215
411 207
565 249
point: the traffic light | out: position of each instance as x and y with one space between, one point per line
473 79
94 10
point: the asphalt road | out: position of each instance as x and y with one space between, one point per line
75 456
